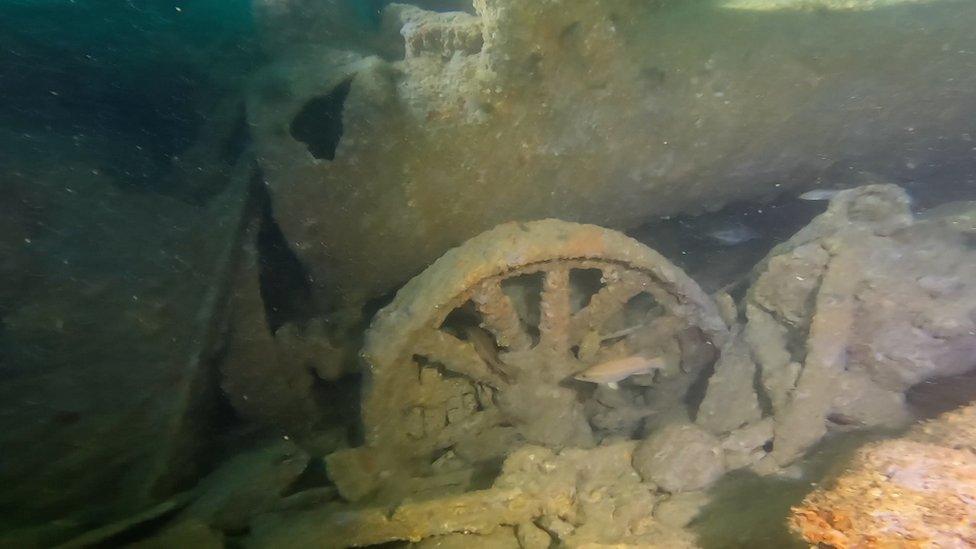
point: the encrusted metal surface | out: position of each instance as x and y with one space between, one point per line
431 388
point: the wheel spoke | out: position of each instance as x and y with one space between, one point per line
607 302
500 317
555 311
457 356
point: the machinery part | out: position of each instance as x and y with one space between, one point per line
479 351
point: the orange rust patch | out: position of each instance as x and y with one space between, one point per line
897 493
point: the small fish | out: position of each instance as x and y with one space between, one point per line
485 346
958 214
819 194
734 234
613 371
843 419
622 333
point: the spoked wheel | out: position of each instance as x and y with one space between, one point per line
481 350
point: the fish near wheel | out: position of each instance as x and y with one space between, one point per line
482 350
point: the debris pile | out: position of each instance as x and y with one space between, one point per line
574 497
551 382
845 317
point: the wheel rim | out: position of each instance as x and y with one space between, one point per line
484 344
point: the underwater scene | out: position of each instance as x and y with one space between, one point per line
488 274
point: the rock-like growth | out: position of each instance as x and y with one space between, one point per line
680 458
855 309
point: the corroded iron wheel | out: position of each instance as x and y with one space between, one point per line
479 352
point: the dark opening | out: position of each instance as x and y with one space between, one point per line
933 397
525 291
765 401
584 284
319 124
339 401
461 319
285 287
314 476
696 392
374 305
